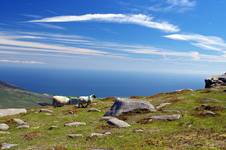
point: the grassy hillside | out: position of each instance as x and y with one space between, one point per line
12 96
194 130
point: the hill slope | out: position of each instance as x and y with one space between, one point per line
12 96
194 130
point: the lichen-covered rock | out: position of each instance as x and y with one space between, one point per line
125 105
12 111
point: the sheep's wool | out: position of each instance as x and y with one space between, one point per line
61 99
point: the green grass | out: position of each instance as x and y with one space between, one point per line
191 132
13 97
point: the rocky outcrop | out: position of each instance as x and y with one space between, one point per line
12 111
215 81
125 105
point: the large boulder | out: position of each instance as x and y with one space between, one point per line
214 81
125 105
12 111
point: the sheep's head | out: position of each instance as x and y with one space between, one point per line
93 96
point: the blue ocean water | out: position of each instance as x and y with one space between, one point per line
102 83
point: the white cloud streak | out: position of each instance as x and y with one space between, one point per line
20 61
182 3
137 19
206 42
29 44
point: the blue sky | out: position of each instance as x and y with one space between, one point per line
180 36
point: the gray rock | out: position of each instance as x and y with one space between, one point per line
7 146
166 117
118 123
76 124
19 121
159 107
207 113
4 127
74 135
12 111
97 135
25 126
125 105
93 135
46 110
94 110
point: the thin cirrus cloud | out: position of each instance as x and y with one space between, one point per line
20 61
137 19
205 42
182 3
28 44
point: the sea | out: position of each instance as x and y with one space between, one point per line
76 82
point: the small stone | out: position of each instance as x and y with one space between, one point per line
207 113
97 135
46 110
19 121
4 127
107 133
53 127
94 110
117 122
159 107
7 145
25 126
138 130
166 117
76 124
74 135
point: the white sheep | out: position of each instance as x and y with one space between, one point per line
84 101
60 101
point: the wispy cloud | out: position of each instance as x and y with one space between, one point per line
173 5
205 42
138 19
31 44
182 3
20 61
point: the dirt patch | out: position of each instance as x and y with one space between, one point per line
210 108
58 147
70 111
144 121
31 135
104 127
